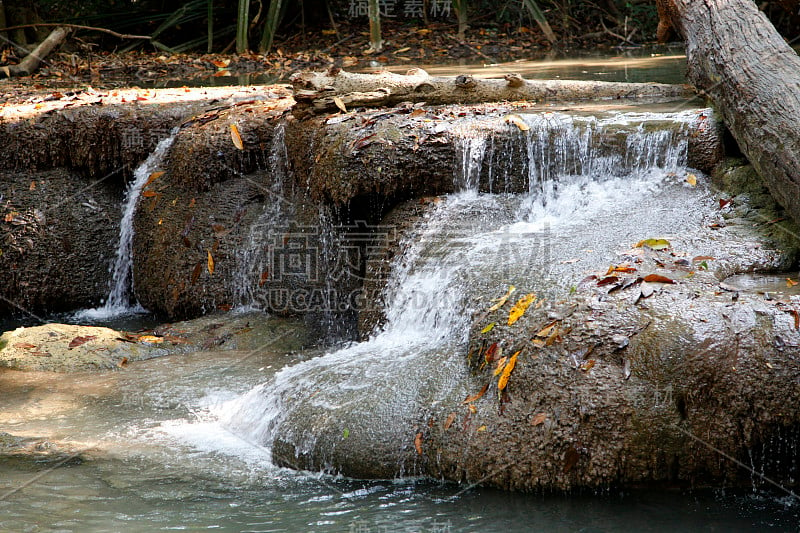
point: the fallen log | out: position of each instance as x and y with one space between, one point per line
320 92
739 60
31 62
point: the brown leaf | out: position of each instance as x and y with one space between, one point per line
608 280
123 363
702 258
78 341
210 263
449 422
24 345
539 419
657 278
493 353
517 121
149 194
236 137
587 365
418 443
476 396
198 269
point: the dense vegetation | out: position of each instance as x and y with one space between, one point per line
217 26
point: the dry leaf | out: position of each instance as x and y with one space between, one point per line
500 364
263 279
236 138
547 330
503 381
153 177
571 457
340 104
517 121
520 307
587 365
78 341
657 278
24 345
790 282
482 428
503 299
418 443
539 419
198 269
33 186
123 363
691 179
476 396
210 263
449 422
152 339
149 194
493 353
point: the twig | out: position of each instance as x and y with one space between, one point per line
79 27
618 36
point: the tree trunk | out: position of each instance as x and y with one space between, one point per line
32 60
737 58
316 92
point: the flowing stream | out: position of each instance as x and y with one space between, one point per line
186 442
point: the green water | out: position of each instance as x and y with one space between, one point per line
150 456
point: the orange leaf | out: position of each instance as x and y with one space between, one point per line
149 194
77 341
264 278
152 339
24 345
33 186
658 278
520 307
236 137
153 177
418 443
476 396
123 363
587 365
790 282
221 63
539 419
503 381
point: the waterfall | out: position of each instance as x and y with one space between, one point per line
253 261
119 300
468 248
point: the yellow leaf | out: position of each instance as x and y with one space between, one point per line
340 104
654 244
520 307
237 139
210 263
691 179
502 300
482 428
517 121
503 381
489 328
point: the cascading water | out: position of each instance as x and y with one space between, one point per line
470 246
119 297
253 263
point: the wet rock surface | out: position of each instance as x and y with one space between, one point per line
73 348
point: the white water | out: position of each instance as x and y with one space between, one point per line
469 244
119 300
253 259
